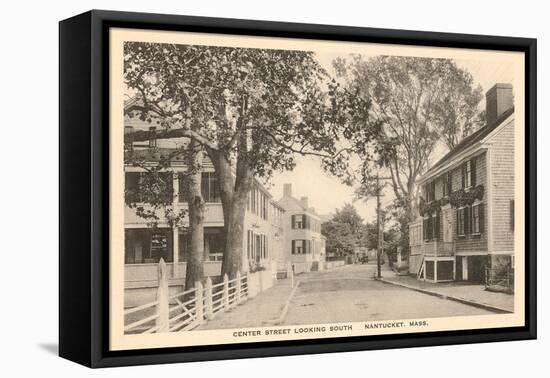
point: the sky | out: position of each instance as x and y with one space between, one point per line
326 193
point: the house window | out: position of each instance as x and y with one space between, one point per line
476 219
144 246
430 191
468 174
250 245
214 243
431 227
266 203
209 187
435 220
466 219
252 195
258 247
299 221
301 247
298 247
447 184
461 219
131 190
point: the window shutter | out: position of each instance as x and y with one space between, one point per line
428 228
305 221
467 220
293 247
292 223
457 222
436 228
425 229
463 171
248 244
473 168
481 219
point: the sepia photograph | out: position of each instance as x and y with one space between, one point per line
265 189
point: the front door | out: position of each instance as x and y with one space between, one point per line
448 225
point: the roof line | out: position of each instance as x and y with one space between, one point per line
470 140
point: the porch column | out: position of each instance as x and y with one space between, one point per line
175 229
175 191
176 244
206 249
465 268
454 269
435 269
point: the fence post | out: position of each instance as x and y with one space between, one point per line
238 288
208 299
199 305
163 305
225 292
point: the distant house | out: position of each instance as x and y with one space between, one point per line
466 228
304 246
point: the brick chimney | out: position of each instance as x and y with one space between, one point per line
305 202
287 190
499 99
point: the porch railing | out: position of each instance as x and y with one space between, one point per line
503 277
438 248
188 309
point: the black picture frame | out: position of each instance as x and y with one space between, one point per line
84 187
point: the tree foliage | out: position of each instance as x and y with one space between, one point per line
252 110
345 231
153 196
414 104
271 97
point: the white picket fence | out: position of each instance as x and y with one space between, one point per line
187 309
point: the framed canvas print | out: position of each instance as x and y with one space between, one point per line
233 188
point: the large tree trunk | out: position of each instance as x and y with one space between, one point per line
195 257
410 214
234 246
234 191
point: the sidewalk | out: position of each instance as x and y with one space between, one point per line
263 310
472 294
